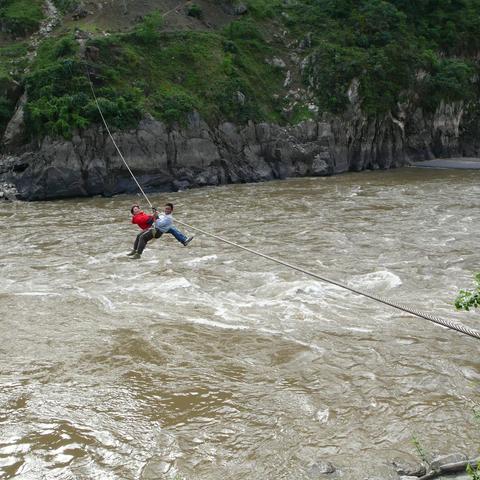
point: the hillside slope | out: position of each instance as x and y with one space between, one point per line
362 64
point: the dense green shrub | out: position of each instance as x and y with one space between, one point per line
60 115
173 105
147 31
246 31
447 79
59 96
21 17
387 74
65 47
329 72
263 9
194 10
65 6
56 115
236 101
384 45
378 23
121 109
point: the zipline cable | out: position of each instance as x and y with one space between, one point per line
440 321
105 122
113 140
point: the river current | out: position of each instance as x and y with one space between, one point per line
205 362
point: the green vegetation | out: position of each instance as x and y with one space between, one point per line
467 299
417 51
147 32
12 58
420 450
21 17
65 5
474 472
194 10
222 75
385 45
265 9
60 99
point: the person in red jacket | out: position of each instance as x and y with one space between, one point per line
140 218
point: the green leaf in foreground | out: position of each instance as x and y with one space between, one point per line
468 299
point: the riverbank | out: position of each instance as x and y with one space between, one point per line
462 163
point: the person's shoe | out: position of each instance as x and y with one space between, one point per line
133 252
136 256
188 240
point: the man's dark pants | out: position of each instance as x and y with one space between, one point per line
143 238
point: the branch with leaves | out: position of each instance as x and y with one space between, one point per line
468 299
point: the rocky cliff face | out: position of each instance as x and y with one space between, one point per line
196 155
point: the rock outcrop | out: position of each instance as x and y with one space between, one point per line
166 159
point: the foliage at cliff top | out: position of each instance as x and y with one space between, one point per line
422 51
20 17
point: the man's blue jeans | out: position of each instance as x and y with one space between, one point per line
177 234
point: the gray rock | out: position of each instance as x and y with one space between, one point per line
320 167
181 185
320 469
240 97
240 9
232 7
276 62
441 460
79 12
409 468
15 132
306 41
8 192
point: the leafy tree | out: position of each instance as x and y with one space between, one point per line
467 299
173 105
194 10
147 31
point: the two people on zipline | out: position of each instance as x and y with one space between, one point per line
154 226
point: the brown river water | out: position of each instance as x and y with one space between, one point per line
206 362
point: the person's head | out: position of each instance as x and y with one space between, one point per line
168 208
135 209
